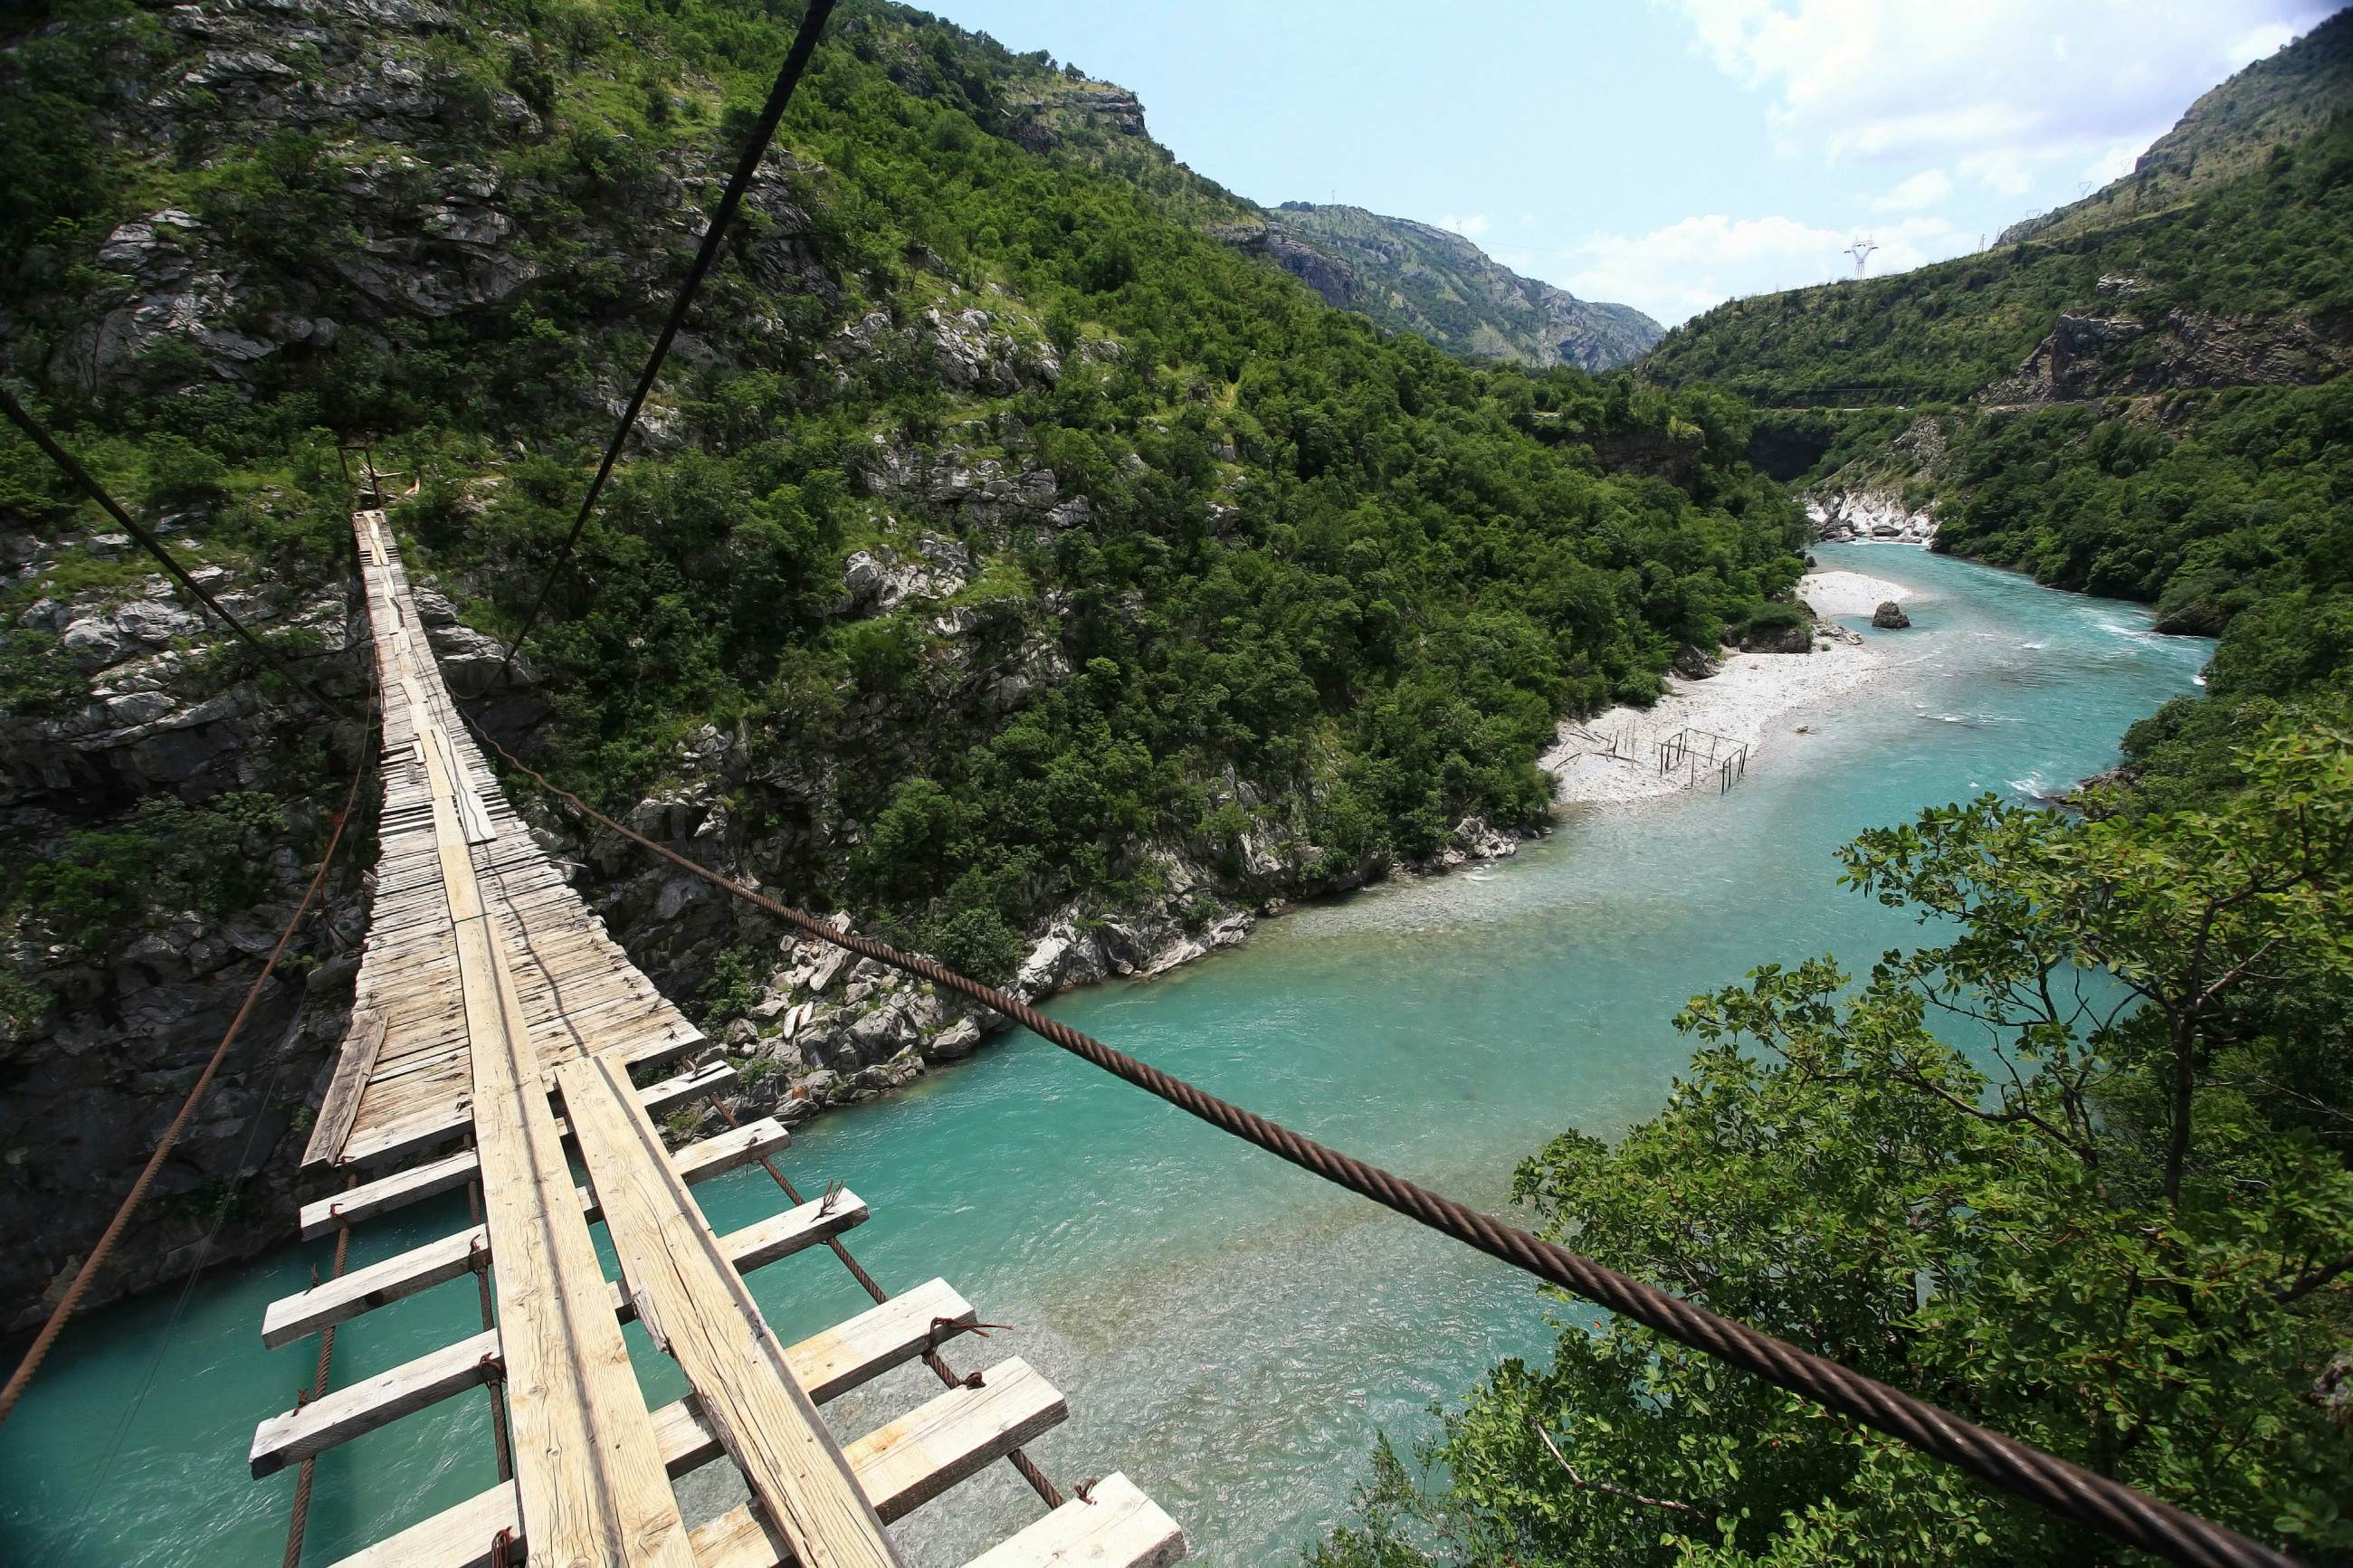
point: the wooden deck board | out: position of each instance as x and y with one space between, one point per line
1116 1526
961 1431
828 1363
699 1310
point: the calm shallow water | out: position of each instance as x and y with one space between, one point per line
1229 1333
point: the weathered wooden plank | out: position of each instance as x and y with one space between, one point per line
897 1466
472 819
403 1273
342 1298
1115 1526
698 1310
386 1193
728 1151
913 1460
431 1127
358 1409
584 1445
907 1463
353 1068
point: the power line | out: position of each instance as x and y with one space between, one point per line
787 77
65 460
2064 1489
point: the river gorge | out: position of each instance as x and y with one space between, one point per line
1228 1331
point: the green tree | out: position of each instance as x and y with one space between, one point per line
2067 1209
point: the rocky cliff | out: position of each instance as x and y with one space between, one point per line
1417 277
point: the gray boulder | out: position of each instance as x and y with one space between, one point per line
1890 616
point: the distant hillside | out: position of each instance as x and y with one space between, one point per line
1412 277
2273 104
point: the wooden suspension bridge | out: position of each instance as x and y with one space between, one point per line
486 988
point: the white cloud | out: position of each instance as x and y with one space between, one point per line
2256 43
1925 189
1516 257
1686 267
1470 227
1864 81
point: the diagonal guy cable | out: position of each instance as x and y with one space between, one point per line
64 459
787 77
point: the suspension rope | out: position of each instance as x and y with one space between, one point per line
1039 1482
2066 1488
755 148
65 460
132 1200
298 1523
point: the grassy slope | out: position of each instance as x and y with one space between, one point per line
2274 102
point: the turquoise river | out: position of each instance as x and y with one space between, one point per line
1229 1333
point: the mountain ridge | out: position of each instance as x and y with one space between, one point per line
1417 277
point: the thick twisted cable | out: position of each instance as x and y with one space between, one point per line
2064 1489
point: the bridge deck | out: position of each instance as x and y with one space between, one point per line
488 984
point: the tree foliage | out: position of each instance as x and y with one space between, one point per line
2064 1173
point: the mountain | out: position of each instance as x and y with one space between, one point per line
2156 408
1416 278
1001 557
2274 102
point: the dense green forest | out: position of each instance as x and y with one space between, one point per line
1322 586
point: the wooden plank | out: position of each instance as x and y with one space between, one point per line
827 1363
386 1193
386 1142
698 1308
353 1068
358 1409
403 1273
960 1432
458 885
472 819
1115 1527
729 1150
584 1445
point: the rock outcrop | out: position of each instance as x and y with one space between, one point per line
1890 616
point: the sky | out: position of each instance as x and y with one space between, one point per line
1667 154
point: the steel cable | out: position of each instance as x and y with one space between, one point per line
73 470
755 147
2066 1488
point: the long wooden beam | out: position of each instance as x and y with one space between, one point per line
959 1433
403 1273
451 1172
699 1312
362 1407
